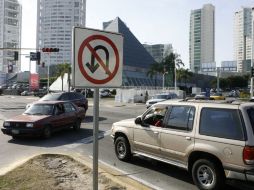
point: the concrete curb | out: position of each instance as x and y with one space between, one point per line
107 171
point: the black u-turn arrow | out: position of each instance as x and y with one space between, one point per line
94 66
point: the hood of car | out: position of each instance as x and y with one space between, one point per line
27 118
155 100
126 122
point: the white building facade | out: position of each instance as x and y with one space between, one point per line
202 37
242 37
55 20
10 35
159 51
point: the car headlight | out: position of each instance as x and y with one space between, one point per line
27 106
7 124
29 125
112 129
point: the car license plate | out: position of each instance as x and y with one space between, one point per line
15 132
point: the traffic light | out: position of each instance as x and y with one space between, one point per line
10 68
38 55
48 50
16 55
252 72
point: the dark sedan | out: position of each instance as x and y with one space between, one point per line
44 118
74 97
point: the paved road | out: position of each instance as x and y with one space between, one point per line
155 174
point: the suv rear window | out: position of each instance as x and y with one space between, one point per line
224 123
251 117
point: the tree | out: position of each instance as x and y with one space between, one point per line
154 70
166 65
61 70
238 81
170 62
183 74
232 82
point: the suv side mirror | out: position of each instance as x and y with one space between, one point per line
138 120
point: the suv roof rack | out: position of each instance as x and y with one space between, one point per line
237 102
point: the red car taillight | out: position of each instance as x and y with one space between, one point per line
248 155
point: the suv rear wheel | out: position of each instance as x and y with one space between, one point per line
207 175
122 149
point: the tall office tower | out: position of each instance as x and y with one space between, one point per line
55 20
159 51
202 40
10 35
242 37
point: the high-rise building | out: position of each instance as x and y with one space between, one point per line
159 51
55 20
10 35
242 37
202 40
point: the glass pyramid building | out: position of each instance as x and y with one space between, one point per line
136 59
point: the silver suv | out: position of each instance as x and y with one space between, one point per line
213 141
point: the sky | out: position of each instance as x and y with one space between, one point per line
151 21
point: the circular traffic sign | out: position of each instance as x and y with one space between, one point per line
86 44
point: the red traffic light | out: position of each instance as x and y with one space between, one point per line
50 49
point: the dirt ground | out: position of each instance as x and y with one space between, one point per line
56 172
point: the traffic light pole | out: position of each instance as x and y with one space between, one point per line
48 72
251 76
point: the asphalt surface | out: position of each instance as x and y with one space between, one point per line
156 175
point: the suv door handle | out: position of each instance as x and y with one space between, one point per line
188 138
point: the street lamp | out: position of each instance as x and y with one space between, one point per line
178 61
218 79
48 72
163 80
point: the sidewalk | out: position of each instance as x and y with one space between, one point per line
109 171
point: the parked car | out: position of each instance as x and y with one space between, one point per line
105 93
44 118
3 86
159 98
201 96
40 93
24 93
234 93
73 97
213 141
217 96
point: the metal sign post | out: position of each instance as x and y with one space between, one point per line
95 137
97 63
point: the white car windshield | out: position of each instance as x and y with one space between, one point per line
161 96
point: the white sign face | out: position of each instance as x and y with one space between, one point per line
97 58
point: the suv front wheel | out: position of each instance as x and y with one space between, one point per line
207 175
122 148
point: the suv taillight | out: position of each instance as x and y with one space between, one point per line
248 155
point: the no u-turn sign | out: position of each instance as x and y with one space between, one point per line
97 58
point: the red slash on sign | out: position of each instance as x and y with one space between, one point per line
86 44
